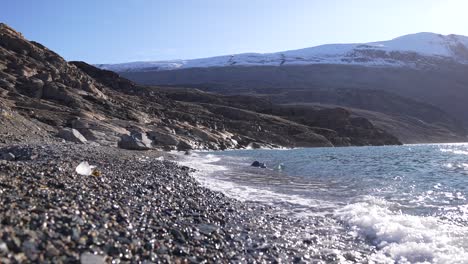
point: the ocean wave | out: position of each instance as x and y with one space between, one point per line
404 238
454 151
208 172
407 216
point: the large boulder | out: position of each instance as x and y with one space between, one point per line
136 141
184 146
162 139
204 135
33 87
73 135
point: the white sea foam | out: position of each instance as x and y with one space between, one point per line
205 175
403 238
457 166
455 151
398 237
203 163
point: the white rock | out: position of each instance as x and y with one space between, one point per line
88 258
84 169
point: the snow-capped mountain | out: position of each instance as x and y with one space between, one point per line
421 49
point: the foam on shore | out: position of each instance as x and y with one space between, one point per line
404 238
395 237
206 169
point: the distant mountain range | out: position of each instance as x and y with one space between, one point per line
415 50
414 86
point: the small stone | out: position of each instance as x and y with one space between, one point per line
3 247
180 251
20 257
30 249
52 251
14 244
75 234
7 156
88 258
207 229
178 235
83 240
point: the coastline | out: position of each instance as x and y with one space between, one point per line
139 208
148 206
227 179
357 224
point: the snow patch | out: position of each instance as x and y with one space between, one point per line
396 52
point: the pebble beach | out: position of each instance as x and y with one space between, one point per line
139 207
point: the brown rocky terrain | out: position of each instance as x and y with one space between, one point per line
42 96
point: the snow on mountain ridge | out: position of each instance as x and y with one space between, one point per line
395 52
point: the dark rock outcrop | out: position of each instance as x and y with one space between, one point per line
135 141
162 139
71 134
184 146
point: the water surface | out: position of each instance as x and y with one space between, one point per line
395 204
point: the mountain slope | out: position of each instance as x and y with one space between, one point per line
409 120
42 91
425 67
415 50
445 87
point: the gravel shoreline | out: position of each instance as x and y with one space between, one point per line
139 209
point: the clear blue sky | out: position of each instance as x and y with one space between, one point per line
111 31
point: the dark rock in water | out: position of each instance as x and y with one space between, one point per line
136 141
73 135
258 164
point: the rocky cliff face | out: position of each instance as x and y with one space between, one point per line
41 94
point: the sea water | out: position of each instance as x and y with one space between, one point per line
391 204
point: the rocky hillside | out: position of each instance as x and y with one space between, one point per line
436 96
45 98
